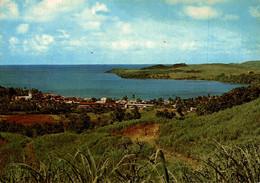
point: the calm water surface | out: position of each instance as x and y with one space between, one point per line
91 81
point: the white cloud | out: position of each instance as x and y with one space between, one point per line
14 44
76 42
1 36
91 25
13 40
99 8
22 28
64 34
132 44
189 46
122 45
48 10
202 12
8 9
37 44
44 39
254 11
195 1
89 19
230 17
124 27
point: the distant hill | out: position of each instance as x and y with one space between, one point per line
253 63
247 72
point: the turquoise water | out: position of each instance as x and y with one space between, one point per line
91 81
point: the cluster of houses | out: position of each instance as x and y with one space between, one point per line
86 102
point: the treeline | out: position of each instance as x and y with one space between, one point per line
77 124
35 107
235 97
210 104
242 78
31 131
161 66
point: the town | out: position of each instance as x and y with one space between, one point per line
88 102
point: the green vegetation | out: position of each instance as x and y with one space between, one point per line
247 72
217 143
195 135
165 113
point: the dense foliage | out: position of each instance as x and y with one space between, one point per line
120 114
242 78
33 130
235 97
165 113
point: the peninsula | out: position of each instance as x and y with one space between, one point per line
246 72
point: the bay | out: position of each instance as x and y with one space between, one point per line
86 81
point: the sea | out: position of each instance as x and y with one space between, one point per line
87 81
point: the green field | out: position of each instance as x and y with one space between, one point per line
196 72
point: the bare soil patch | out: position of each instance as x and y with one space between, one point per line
143 133
148 133
29 119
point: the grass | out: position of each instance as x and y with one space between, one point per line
56 117
125 124
196 135
134 165
82 167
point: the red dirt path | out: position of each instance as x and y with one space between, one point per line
29 119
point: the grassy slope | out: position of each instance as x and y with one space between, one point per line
207 71
193 136
196 136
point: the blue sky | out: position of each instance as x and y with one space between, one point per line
129 31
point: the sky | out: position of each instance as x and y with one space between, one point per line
129 31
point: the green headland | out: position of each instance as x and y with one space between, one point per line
246 72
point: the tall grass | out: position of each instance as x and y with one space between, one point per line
194 135
133 166
229 165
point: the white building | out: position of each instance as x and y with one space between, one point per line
24 97
102 100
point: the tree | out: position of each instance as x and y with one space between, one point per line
179 110
125 97
160 100
138 100
170 100
93 99
118 114
136 113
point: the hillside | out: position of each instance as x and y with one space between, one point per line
247 72
195 135
108 156
253 63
